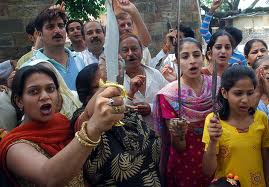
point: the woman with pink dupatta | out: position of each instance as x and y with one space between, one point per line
182 147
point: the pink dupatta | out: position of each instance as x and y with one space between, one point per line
194 109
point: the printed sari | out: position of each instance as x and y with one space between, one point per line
185 168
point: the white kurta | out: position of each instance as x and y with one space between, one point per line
154 83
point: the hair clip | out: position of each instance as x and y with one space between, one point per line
232 179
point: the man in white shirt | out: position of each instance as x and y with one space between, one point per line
94 36
141 81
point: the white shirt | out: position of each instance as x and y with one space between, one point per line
87 57
8 118
146 56
154 83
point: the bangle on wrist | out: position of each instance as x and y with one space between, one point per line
83 131
83 137
83 142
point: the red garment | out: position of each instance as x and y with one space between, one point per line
185 169
51 136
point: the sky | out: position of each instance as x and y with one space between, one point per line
245 3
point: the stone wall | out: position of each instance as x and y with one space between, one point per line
157 14
14 16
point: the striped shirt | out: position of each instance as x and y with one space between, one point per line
237 56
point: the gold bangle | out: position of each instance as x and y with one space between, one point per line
83 142
85 136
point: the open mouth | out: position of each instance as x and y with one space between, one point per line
222 57
58 36
244 108
131 59
95 40
46 109
193 69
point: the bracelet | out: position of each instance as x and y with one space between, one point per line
83 142
85 136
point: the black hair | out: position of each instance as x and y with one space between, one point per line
214 38
235 33
259 62
187 31
84 82
20 78
229 78
48 15
102 27
185 40
72 21
249 44
222 182
30 28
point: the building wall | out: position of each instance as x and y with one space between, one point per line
14 16
255 22
157 13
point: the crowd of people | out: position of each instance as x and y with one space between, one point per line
62 125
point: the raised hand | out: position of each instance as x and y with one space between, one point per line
215 4
125 5
170 41
60 7
135 83
214 129
108 109
169 73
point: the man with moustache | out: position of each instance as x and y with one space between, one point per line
74 33
130 21
94 36
50 24
142 82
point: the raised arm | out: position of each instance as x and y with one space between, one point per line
140 29
204 29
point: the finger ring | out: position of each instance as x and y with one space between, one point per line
110 102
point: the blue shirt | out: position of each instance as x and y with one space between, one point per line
262 107
5 69
69 73
237 56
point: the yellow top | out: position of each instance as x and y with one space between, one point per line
240 153
24 58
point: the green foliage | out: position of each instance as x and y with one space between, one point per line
82 9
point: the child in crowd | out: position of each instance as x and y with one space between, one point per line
237 137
